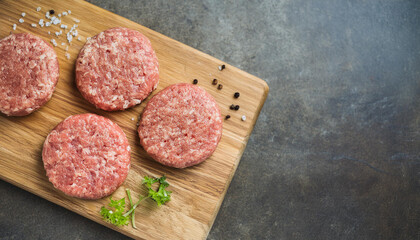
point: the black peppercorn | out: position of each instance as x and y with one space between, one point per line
52 11
227 116
220 86
237 107
232 107
214 81
236 95
195 81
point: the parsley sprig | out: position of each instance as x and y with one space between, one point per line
161 196
115 217
119 218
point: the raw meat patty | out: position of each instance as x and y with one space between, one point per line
117 69
28 73
181 126
86 156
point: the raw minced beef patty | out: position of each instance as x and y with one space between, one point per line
117 69
28 73
86 156
181 126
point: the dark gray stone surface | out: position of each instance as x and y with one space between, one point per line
335 153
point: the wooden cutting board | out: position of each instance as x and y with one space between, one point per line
197 191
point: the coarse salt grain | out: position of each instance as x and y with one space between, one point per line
33 25
21 20
47 24
74 27
63 26
64 13
77 20
49 32
67 48
132 119
68 11
72 32
67 55
41 22
55 20
69 37
47 14
23 14
88 38
38 9
59 15
79 39
54 42
62 44
243 118
14 26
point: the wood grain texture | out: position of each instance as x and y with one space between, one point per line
197 191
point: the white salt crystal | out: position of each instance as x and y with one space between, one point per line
54 42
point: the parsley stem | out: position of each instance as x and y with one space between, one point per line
135 206
133 221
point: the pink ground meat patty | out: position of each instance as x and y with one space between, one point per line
86 156
117 69
181 126
29 72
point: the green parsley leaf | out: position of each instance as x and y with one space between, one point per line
115 216
119 218
161 196
149 181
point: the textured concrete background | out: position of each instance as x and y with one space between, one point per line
335 153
